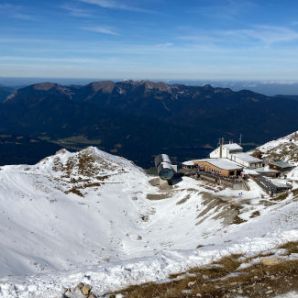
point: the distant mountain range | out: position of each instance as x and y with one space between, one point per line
267 87
137 119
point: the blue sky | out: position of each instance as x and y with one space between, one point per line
150 39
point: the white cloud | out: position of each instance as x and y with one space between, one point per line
164 45
76 11
14 11
227 9
263 34
272 34
101 29
112 4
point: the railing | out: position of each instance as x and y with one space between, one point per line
217 176
267 185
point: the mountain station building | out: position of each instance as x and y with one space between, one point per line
234 152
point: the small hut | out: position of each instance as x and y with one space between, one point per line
280 165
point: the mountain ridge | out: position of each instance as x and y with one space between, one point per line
135 117
5 92
110 86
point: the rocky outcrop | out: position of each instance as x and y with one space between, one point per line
82 290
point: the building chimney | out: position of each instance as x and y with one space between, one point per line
220 148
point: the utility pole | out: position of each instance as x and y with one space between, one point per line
240 139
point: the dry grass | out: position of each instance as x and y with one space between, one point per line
288 151
86 165
224 279
186 198
219 208
280 197
57 165
291 247
157 197
238 220
258 154
75 191
255 214
102 178
295 192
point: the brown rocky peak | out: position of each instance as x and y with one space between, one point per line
104 86
161 86
44 86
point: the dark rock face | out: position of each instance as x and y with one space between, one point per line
138 119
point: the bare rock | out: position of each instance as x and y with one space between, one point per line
270 261
82 290
86 289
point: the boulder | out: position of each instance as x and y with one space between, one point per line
270 261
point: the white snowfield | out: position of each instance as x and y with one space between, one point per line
86 217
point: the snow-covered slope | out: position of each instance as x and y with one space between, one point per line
285 148
67 211
91 216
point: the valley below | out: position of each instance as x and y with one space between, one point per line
136 119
